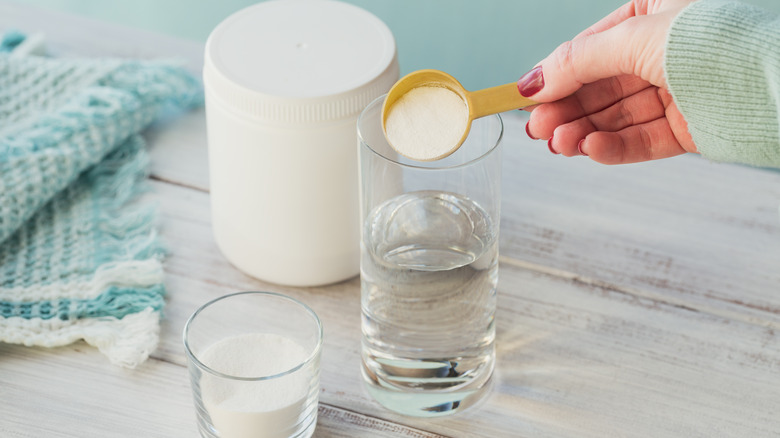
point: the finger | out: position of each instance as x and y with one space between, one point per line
648 141
615 17
589 99
575 63
634 46
639 108
529 108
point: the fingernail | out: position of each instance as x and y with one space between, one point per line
531 82
528 132
579 147
550 146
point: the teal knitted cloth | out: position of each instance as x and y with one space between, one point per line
723 70
79 258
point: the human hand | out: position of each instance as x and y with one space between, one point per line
604 93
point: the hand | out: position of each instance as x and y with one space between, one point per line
604 92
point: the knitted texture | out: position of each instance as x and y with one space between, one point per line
723 71
79 257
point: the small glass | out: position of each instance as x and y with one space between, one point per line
429 269
254 365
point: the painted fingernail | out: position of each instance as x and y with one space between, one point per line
528 131
550 146
579 147
531 82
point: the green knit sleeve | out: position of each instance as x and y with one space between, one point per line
723 70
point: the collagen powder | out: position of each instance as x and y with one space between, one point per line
267 408
426 123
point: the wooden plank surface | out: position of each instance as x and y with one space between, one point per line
684 230
634 301
573 359
71 392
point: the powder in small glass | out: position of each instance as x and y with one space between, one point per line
426 123
244 409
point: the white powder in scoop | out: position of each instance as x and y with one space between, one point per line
426 123
247 409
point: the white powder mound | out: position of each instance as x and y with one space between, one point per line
426 123
242 409
253 355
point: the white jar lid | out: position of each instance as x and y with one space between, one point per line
292 61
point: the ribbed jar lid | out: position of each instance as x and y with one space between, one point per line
294 61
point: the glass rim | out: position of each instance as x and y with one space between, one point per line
315 351
477 159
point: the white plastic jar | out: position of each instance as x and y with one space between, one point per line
285 81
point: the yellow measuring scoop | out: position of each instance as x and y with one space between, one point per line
479 103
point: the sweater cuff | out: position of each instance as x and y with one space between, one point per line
722 67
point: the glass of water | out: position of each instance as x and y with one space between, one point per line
429 269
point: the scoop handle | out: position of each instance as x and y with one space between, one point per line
497 100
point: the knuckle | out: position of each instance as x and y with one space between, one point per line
632 42
566 59
616 88
624 113
647 142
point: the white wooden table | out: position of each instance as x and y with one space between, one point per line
634 301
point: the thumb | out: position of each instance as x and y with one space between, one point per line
634 46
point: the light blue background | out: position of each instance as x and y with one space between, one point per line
481 42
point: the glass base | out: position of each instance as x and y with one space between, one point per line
209 432
424 403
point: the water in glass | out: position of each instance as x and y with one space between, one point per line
429 274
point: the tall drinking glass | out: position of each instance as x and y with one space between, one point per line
429 269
